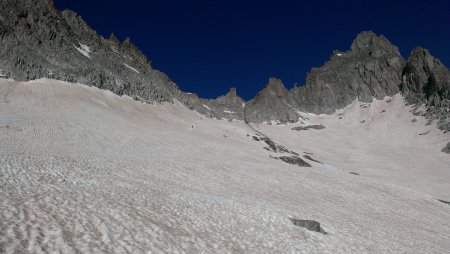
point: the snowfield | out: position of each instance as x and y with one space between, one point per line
84 170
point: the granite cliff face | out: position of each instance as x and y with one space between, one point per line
39 41
371 68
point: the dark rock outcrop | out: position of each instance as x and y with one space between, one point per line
311 159
309 127
309 224
426 80
443 201
295 160
371 68
446 149
273 103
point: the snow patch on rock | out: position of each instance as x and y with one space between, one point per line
84 50
131 68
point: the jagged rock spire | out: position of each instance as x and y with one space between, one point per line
369 43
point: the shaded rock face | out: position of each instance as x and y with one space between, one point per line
427 80
38 41
273 103
425 77
371 68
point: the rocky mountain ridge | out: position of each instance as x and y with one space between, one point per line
39 41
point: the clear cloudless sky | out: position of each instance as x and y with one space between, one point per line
207 46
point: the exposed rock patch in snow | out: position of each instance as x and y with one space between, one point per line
309 127
446 149
294 160
309 224
311 159
445 202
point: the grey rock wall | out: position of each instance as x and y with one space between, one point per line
427 81
372 68
273 103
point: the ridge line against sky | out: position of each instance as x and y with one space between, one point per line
207 47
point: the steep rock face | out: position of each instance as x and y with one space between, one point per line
38 41
371 68
273 103
427 80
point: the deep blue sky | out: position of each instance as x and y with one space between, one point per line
207 46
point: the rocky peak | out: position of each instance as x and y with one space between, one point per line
114 41
232 93
273 103
275 87
129 48
371 68
230 98
425 77
369 43
427 80
421 56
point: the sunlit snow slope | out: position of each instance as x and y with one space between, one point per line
84 170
